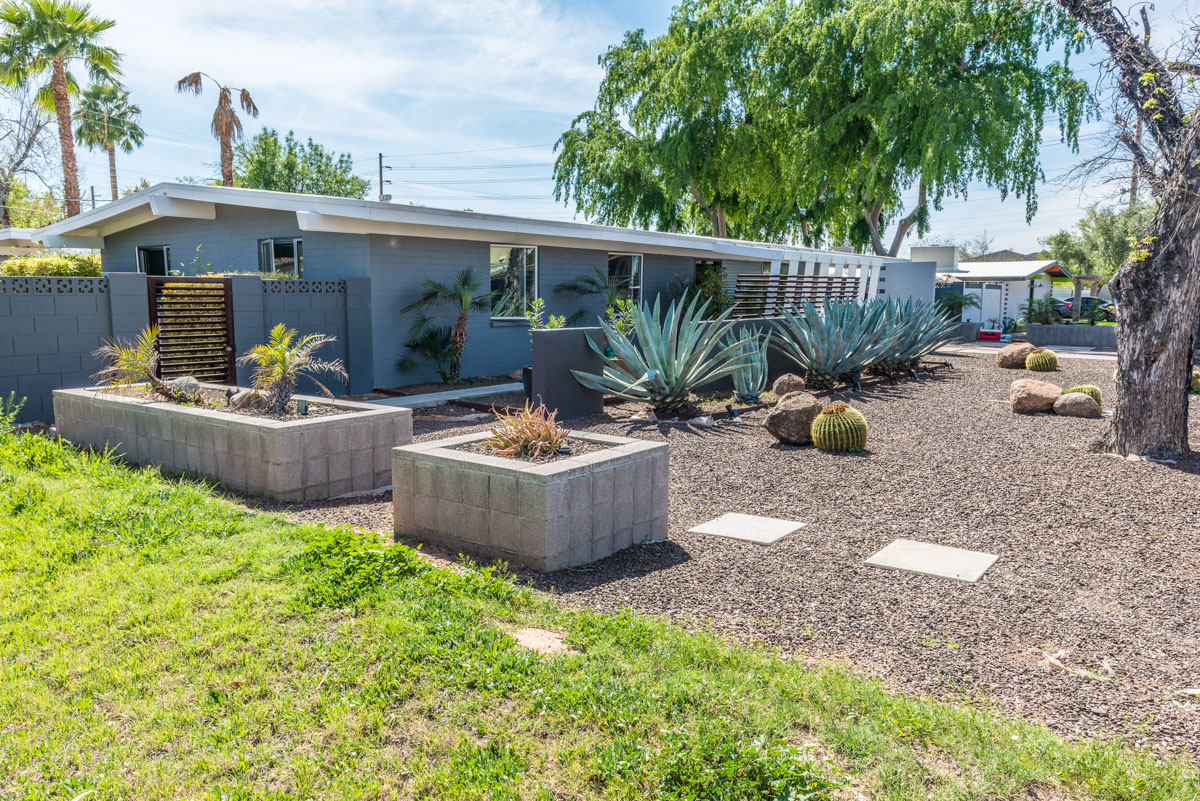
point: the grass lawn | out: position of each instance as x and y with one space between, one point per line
159 642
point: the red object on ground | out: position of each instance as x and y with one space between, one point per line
990 336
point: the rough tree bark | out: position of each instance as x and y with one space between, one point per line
1158 290
112 170
226 161
66 137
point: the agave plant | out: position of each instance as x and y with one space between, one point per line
285 357
672 356
751 379
836 343
923 328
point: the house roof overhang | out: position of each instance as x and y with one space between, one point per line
1009 270
353 216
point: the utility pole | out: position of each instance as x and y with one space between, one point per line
383 197
93 197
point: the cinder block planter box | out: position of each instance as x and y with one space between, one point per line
288 460
549 516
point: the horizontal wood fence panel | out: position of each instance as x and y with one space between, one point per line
195 327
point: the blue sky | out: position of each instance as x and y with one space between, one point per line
464 97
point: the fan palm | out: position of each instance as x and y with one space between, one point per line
226 125
130 362
286 357
107 120
42 38
463 296
598 282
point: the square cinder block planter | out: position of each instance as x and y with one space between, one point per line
288 460
549 516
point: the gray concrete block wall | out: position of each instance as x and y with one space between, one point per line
310 307
49 328
229 243
1082 336
548 516
903 280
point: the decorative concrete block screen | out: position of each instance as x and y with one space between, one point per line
549 516
290 460
50 326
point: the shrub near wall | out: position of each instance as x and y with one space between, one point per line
58 264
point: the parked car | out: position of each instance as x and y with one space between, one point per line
1108 311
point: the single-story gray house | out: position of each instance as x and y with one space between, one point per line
189 229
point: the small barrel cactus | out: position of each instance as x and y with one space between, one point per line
839 428
1087 389
1042 360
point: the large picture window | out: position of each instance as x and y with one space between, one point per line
513 270
626 269
281 256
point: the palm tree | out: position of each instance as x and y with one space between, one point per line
43 37
955 303
285 357
106 119
226 126
463 297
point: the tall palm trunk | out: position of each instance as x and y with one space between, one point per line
458 341
226 161
66 137
112 169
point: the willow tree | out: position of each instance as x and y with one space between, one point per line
681 136
1157 288
888 100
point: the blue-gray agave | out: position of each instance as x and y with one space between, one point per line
836 343
751 379
923 327
666 357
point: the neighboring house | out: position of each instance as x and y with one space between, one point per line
20 242
1004 286
397 247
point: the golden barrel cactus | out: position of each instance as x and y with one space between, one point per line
1042 360
839 428
1087 389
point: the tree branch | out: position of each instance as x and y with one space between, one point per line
906 223
1142 162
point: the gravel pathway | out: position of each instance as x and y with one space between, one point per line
1099 558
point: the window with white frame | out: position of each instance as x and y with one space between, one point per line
626 270
281 256
514 282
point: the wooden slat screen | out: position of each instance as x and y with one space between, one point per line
759 295
195 327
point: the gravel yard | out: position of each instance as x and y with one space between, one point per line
1099 558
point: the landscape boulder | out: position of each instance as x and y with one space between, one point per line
788 383
1077 404
248 399
1013 356
791 420
1028 395
185 385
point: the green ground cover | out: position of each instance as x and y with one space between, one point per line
157 641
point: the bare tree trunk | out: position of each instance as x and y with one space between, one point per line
1158 301
66 137
226 161
112 169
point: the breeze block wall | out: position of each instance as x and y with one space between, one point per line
50 326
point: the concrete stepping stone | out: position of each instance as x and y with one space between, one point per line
928 559
751 528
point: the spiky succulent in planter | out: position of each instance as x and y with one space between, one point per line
1042 360
1086 389
1195 387
839 428
924 327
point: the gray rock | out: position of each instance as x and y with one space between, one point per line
184 385
1028 395
790 421
787 384
1013 356
1077 404
248 399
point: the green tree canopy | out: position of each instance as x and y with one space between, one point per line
1100 242
816 118
265 162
